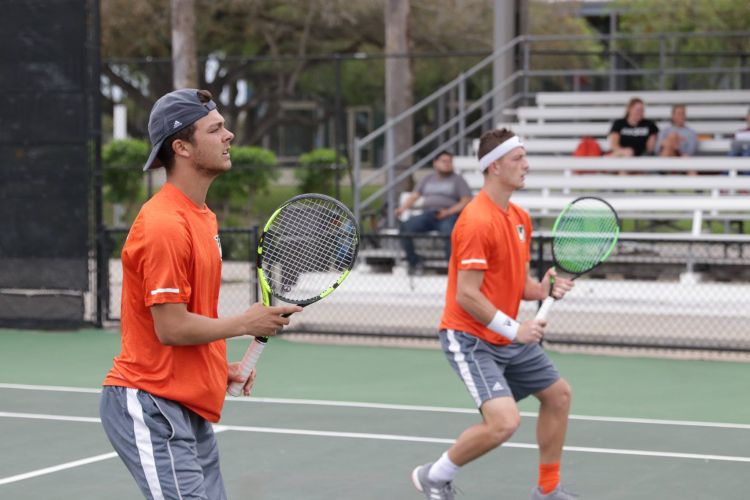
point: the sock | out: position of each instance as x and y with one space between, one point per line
549 477
443 470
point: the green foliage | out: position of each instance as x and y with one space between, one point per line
651 17
317 171
122 162
252 172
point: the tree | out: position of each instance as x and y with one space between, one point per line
184 55
399 94
650 17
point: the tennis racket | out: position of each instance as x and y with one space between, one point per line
584 235
306 250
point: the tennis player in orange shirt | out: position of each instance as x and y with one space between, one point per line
499 359
168 383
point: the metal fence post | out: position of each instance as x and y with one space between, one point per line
390 175
356 194
462 114
662 61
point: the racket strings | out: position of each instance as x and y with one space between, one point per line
309 245
584 236
324 246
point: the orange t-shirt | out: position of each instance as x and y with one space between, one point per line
172 255
495 241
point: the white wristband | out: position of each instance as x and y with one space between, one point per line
504 325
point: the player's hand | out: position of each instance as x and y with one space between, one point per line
560 286
531 331
234 375
266 321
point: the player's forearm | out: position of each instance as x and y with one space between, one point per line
476 304
186 328
534 290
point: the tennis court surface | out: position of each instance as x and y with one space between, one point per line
350 422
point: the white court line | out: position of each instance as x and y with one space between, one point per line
421 439
57 468
333 434
66 465
385 406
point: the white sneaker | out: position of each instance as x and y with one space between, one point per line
558 493
431 489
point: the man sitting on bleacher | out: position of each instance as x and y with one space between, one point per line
445 194
741 142
678 139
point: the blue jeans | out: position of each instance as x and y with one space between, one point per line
424 223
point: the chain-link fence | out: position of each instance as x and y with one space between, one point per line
238 281
663 292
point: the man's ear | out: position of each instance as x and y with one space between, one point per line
494 169
181 148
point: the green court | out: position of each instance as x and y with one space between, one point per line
350 422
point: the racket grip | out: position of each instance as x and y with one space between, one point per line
544 310
249 360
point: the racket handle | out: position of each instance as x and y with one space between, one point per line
544 310
249 360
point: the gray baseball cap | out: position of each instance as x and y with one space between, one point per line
170 114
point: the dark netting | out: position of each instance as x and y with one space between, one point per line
46 146
654 293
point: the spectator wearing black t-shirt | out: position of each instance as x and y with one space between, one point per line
633 135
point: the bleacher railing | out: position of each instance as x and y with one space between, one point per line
633 62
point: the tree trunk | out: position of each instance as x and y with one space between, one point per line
399 94
184 54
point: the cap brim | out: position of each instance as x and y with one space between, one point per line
153 161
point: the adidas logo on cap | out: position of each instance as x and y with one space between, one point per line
176 124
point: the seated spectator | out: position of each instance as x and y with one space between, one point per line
677 139
632 135
445 194
741 142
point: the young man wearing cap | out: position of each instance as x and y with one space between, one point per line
499 359
168 383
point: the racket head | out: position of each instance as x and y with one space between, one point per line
307 249
584 235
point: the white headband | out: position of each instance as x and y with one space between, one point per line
500 151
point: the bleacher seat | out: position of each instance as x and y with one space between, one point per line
560 119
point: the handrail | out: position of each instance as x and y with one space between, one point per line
459 119
518 49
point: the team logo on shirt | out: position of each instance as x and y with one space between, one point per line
218 243
521 232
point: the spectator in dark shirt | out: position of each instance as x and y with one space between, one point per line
633 135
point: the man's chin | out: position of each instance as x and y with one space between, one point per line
214 171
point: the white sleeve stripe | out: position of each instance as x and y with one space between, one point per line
165 290
474 261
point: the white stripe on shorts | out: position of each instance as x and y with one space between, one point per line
463 367
165 290
143 441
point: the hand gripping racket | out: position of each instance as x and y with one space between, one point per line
584 235
306 250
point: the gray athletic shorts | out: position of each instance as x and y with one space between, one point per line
489 371
170 451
